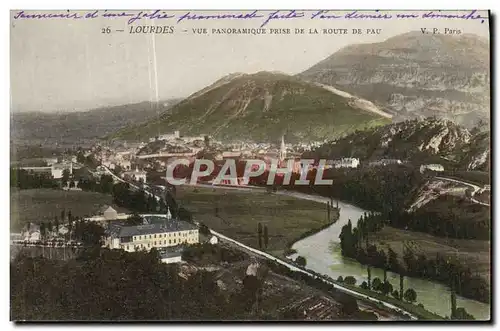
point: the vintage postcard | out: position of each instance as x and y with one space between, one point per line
285 165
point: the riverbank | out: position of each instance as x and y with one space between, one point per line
289 250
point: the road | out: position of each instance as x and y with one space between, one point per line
474 187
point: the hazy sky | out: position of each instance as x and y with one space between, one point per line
68 65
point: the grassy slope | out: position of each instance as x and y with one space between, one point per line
237 111
44 204
240 212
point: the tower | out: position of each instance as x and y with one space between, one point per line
282 154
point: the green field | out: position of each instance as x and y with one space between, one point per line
38 205
475 253
240 212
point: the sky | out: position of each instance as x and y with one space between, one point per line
68 65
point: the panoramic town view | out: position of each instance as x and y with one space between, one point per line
211 168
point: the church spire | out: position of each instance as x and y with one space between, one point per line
282 149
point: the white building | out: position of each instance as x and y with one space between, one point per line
33 234
384 162
169 136
170 257
109 213
138 237
63 230
214 240
345 162
431 167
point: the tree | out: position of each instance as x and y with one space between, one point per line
401 278
364 285
50 226
462 314
376 284
386 288
56 224
80 158
349 305
65 176
63 215
301 261
72 184
259 234
42 230
266 236
395 294
410 295
328 210
106 184
369 277
90 233
340 279
350 280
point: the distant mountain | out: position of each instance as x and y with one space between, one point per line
78 128
415 75
260 107
422 141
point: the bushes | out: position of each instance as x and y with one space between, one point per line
410 295
350 280
301 261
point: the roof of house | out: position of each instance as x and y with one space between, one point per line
172 226
168 252
106 208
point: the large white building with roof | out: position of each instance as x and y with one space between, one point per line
158 235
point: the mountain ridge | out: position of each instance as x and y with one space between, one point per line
414 75
259 107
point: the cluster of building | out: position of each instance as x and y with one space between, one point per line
431 167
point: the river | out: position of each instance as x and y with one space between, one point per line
322 252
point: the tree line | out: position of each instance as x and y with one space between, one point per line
24 179
354 243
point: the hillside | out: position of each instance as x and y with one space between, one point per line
429 140
67 129
415 75
260 107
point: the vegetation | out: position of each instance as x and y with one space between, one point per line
354 243
350 280
410 295
447 216
301 261
215 253
135 286
138 201
23 180
104 185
